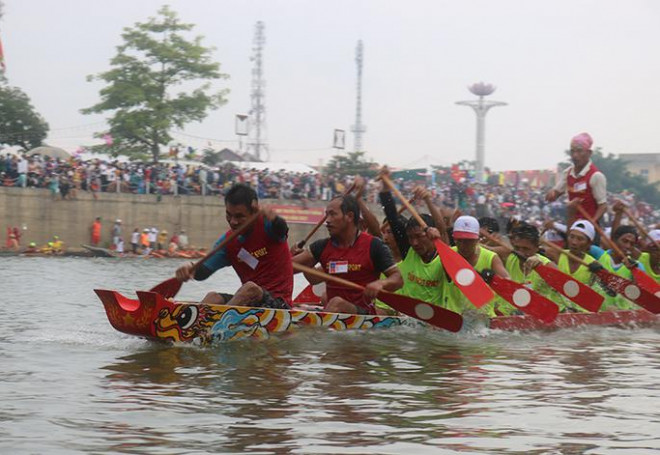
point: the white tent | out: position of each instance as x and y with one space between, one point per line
53 152
274 166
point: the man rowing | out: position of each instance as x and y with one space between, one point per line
650 256
520 261
466 236
625 237
260 256
353 255
583 181
423 275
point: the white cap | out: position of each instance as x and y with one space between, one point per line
585 227
466 227
117 220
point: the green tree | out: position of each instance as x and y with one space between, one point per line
154 60
20 124
352 163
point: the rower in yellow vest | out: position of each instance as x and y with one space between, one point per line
579 238
466 237
525 240
424 277
650 257
625 238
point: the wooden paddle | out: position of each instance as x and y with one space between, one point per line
640 227
642 279
458 268
565 284
617 283
303 242
169 288
432 314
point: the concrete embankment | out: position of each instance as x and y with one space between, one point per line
40 217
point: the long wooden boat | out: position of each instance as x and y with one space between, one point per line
153 317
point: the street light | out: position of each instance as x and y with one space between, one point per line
481 108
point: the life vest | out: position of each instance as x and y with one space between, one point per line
272 270
579 187
456 301
617 302
353 264
645 259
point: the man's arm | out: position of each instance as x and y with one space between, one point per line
373 227
559 188
275 226
207 268
422 193
383 262
398 229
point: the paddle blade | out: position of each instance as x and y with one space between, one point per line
432 314
631 291
526 300
646 281
571 288
308 295
464 276
168 288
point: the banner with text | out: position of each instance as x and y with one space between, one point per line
298 214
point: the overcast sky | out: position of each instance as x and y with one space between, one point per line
563 67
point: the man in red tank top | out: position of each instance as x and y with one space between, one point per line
353 255
260 256
585 184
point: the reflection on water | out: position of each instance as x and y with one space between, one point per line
71 383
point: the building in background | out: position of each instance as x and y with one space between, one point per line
646 165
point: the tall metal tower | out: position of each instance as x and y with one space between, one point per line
481 108
358 128
257 129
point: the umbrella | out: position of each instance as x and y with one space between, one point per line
53 152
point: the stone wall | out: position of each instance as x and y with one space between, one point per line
202 217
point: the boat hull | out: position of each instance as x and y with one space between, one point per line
153 317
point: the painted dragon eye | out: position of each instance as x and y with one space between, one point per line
187 317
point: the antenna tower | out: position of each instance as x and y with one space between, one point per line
257 131
358 128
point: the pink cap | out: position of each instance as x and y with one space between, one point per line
582 141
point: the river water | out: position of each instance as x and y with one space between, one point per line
69 383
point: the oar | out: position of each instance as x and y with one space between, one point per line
169 288
303 242
561 282
642 279
432 314
617 283
641 228
458 268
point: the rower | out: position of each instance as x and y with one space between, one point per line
260 256
579 239
353 255
650 256
625 238
423 275
583 181
521 262
466 236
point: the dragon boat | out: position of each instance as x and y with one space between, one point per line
154 317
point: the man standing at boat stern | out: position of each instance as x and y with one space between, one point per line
583 181
352 255
260 256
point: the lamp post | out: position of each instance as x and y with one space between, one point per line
481 108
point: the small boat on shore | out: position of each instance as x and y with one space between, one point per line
153 317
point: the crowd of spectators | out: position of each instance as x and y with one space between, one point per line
65 178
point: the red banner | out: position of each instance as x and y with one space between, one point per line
298 214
